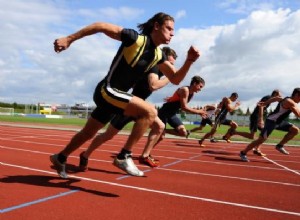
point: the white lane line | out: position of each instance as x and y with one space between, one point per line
162 192
172 170
284 167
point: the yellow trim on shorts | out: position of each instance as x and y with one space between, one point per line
113 101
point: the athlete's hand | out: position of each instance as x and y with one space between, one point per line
193 54
203 113
61 44
261 104
260 124
238 103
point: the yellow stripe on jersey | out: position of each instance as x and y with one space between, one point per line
112 101
132 53
157 57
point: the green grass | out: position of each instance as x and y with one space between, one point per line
275 137
62 121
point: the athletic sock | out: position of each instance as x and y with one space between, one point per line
61 158
122 155
242 153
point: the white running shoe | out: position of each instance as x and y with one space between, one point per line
282 150
128 166
60 167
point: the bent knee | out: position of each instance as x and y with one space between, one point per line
182 131
234 125
158 126
294 130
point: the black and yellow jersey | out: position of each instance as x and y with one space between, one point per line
136 57
141 89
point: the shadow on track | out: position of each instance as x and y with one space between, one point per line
50 181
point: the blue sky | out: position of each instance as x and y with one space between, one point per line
249 47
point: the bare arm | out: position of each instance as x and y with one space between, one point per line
184 94
230 107
108 29
290 104
176 76
260 121
155 83
271 100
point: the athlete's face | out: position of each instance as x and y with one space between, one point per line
234 98
197 87
171 59
165 32
297 98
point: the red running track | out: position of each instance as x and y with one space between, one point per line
191 182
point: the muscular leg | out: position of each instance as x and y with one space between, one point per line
253 144
91 127
110 132
293 131
197 128
154 136
245 134
145 114
209 134
233 125
179 131
87 132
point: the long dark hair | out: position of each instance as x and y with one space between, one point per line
147 27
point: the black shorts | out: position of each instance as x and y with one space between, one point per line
271 125
206 121
253 124
109 102
119 121
173 120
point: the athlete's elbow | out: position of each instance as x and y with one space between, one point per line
152 88
175 82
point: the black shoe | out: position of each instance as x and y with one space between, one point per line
83 162
213 140
187 134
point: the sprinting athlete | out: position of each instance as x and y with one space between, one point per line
210 110
257 119
225 106
277 120
137 55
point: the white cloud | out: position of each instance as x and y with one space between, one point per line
247 6
252 57
180 14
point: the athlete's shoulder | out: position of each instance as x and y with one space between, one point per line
129 36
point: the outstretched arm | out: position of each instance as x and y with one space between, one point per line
108 29
176 76
270 100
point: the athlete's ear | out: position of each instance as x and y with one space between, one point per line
156 26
